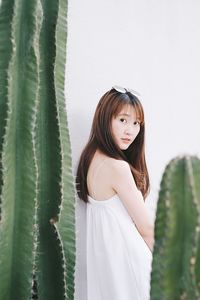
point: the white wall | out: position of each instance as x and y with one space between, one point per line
151 46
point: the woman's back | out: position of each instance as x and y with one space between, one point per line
98 178
118 259
107 177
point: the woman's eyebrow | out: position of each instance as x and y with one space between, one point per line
128 115
125 115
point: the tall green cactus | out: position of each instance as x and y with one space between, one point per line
37 195
176 257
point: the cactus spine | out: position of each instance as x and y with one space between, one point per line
176 257
37 195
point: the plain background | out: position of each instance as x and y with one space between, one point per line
151 46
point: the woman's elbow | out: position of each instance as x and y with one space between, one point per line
148 231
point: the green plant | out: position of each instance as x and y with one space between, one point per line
176 257
37 195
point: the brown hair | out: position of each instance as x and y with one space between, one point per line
110 104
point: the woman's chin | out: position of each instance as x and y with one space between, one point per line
124 147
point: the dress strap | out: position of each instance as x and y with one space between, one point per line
96 172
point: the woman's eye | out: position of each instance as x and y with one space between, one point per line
122 120
136 122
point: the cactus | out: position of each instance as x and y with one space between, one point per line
37 194
176 256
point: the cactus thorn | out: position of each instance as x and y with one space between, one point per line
167 203
53 220
184 296
192 260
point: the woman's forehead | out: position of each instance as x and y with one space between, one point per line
128 110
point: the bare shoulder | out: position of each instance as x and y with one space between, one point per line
119 163
119 166
120 175
113 166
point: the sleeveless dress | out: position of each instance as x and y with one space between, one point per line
118 259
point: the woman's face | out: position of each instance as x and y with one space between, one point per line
125 127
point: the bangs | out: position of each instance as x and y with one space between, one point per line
137 106
139 112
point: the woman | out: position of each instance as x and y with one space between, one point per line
112 179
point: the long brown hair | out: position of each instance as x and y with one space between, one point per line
110 104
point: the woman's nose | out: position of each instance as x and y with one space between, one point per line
129 129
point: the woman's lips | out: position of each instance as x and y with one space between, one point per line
127 141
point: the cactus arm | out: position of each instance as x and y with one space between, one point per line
18 230
6 11
49 262
195 167
173 275
66 224
190 288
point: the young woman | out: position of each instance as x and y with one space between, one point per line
112 179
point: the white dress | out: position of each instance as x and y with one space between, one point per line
118 259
